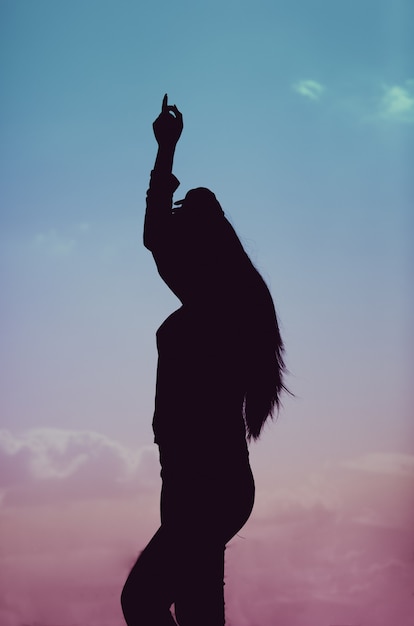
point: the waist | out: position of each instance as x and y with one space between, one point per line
191 425
215 459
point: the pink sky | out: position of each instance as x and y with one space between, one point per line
329 546
300 118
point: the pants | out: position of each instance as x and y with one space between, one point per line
183 564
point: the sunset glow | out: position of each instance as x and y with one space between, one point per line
300 117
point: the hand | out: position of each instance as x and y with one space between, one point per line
169 125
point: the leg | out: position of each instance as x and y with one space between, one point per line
201 518
147 594
200 599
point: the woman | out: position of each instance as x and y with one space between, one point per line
219 377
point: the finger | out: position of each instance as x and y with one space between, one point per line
170 109
176 111
173 109
165 103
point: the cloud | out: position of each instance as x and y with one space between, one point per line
391 103
84 227
319 570
83 587
335 548
309 88
315 551
55 243
397 102
372 490
394 464
315 498
47 463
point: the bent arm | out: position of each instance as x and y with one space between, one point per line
158 212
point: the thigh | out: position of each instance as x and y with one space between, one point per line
150 584
199 591
181 565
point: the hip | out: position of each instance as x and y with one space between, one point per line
218 503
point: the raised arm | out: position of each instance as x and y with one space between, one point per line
167 130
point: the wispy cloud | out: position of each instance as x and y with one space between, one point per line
54 243
394 464
84 227
60 244
309 88
390 103
397 102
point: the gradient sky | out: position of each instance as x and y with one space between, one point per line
300 116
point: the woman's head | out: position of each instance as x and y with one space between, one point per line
198 203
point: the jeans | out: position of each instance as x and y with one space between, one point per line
183 564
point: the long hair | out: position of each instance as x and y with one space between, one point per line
226 268
265 365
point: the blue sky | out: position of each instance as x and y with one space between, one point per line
298 115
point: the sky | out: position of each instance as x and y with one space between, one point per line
299 115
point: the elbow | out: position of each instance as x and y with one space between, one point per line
146 241
146 238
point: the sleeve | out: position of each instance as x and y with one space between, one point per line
158 212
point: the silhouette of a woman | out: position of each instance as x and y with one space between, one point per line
219 377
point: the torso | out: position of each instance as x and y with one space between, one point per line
199 397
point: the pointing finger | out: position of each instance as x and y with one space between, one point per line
165 103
